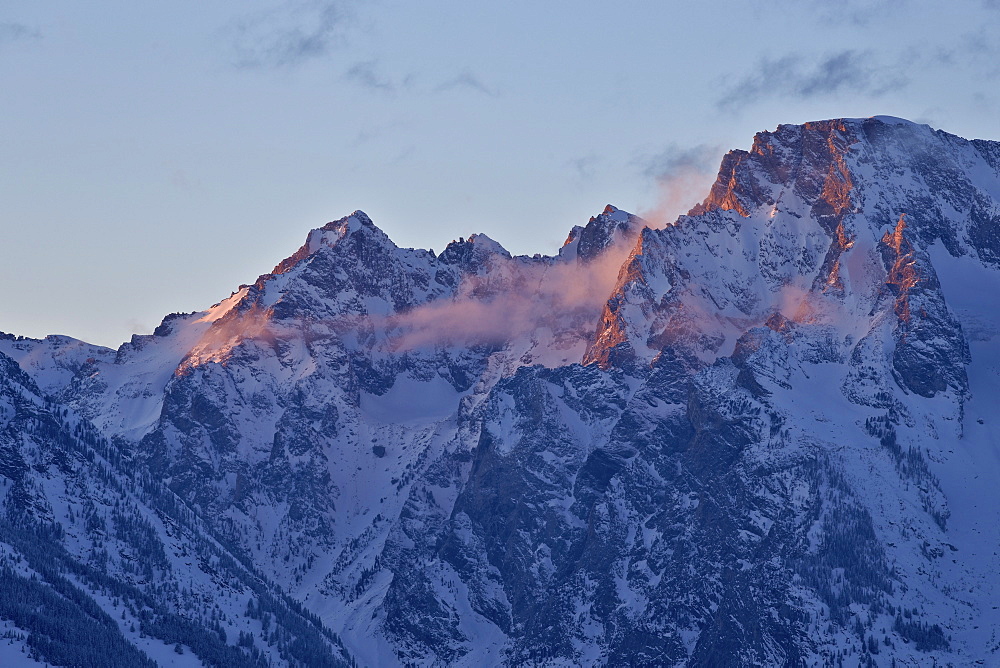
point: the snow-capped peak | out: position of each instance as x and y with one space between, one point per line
612 228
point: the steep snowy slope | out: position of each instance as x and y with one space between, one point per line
759 436
100 566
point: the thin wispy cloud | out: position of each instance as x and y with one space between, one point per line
367 75
980 49
676 159
17 32
585 166
137 326
984 102
559 297
975 51
854 13
682 176
468 81
860 13
290 34
793 76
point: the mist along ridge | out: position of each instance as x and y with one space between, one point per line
763 434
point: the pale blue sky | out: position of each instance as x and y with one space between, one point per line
153 156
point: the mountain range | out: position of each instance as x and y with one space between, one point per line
761 435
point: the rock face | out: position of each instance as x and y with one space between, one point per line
761 435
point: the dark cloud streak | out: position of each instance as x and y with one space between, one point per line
466 80
682 176
675 160
289 36
793 77
855 13
367 75
17 32
585 166
859 13
977 51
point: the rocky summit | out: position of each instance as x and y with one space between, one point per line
763 435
